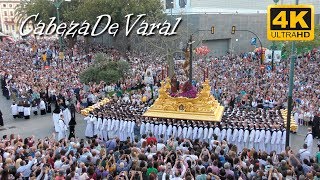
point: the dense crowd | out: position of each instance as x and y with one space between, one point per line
236 81
149 157
247 144
35 77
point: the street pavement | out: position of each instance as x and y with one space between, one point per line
41 126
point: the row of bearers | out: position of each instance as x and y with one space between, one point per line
24 108
261 137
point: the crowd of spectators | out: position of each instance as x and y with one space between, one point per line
148 158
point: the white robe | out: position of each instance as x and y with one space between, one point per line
42 105
156 131
151 128
239 142
184 132
189 132
95 125
14 109
261 140
89 128
296 117
273 140
125 130
205 134
62 130
164 130
132 125
309 141
235 136
229 135
120 132
251 139
200 133
110 130
223 134
246 138
99 128
278 141
142 128
26 111
159 130
67 116
169 131
117 126
104 129
20 108
195 133
283 141
256 139
148 128
55 119
267 141
179 134
174 131
217 132
210 134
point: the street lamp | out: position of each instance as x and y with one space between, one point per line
244 30
290 101
57 4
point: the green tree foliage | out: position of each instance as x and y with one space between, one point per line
105 70
304 46
45 8
89 10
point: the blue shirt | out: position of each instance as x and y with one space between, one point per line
26 169
111 145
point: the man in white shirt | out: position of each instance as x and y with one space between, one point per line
309 140
304 153
62 128
251 137
14 110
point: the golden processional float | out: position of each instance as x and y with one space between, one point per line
101 103
204 107
293 125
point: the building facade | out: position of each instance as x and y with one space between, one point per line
247 15
227 6
7 17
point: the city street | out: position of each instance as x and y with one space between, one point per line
42 126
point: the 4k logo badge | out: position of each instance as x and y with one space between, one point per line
290 22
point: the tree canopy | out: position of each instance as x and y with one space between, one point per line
304 46
88 10
104 69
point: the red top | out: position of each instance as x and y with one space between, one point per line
151 140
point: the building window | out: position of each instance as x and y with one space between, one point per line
11 13
4 5
10 5
182 3
12 27
169 4
7 27
5 13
